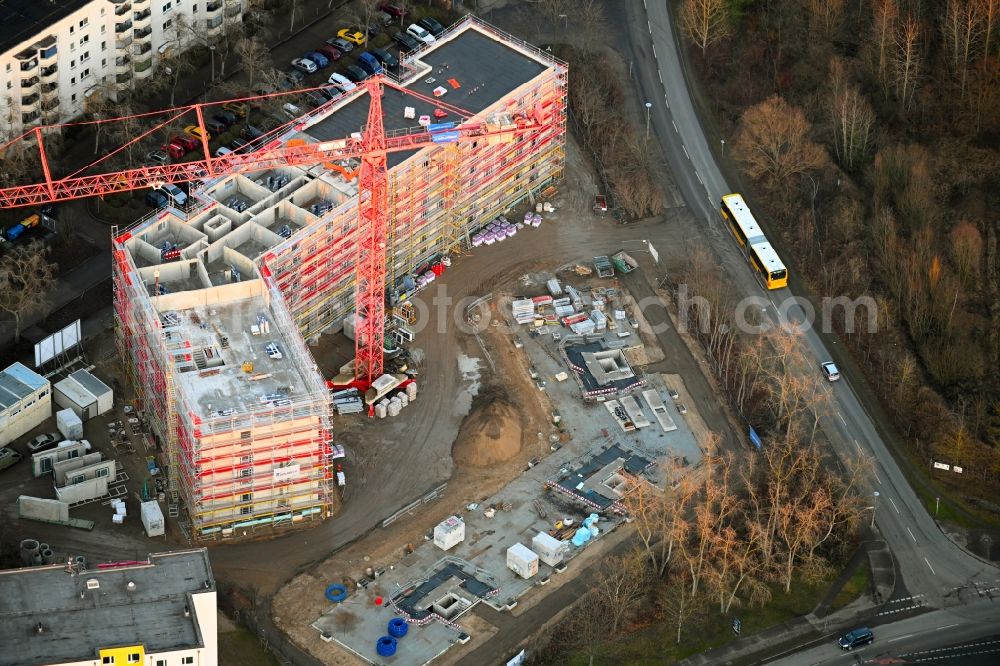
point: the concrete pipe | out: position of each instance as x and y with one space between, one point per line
29 547
48 557
36 560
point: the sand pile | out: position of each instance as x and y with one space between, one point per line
490 434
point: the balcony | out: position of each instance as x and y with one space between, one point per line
30 103
143 68
123 65
50 74
122 8
27 84
214 24
49 90
47 48
142 33
50 104
123 26
29 118
234 9
213 7
124 42
140 49
142 17
123 81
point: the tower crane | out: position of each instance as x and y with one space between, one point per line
371 147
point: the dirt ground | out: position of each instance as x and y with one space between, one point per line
503 426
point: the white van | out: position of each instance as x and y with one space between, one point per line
175 193
341 82
222 151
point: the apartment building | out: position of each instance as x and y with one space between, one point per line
267 258
157 612
58 55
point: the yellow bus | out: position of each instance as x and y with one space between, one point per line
758 251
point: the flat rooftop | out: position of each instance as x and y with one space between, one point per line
24 20
222 337
469 57
75 619
589 481
614 375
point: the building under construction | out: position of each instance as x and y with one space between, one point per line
215 303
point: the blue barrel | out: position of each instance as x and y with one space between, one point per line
386 646
398 627
336 593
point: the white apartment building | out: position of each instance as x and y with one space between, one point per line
25 401
157 612
57 54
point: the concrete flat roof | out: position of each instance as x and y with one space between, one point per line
223 385
76 392
470 57
74 626
23 20
16 383
88 381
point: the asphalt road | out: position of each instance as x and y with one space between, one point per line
968 635
929 562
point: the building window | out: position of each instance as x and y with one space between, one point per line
8 85
134 658
85 74
187 660
166 7
72 64
84 39
246 497
72 97
108 660
161 662
72 81
166 24
84 22
104 46
8 68
103 471
85 57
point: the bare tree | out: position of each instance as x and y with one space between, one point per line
885 14
705 22
677 602
828 13
622 583
964 33
26 277
773 142
907 60
254 56
590 625
852 118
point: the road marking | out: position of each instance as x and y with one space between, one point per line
911 534
899 601
900 610
686 154
841 418
858 445
893 640
948 627
675 126
876 476
929 566
894 505
665 100
660 74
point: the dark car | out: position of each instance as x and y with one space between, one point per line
240 146
405 42
395 11
355 73
384 57
43 442
226 117
373 29
295 76
856 638
215 127
431 26
156 199
331 52
341 45
250 133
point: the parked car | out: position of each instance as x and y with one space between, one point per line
156 199
420 34
369 63
176 194
175 150
383 18
227 117
341 45
222 150
44 442
352 35
293 79
241 146
8 457
341 82
215 127
431 26
305 65
197 132
395 11
157 157
331 52
189 143
405 41
374 28
384 57
831 371
250 133
856 638
239 108
318 58
355 73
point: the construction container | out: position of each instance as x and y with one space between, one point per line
69 424
449 532
152 519
550 550
522 561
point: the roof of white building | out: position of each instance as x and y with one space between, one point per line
17 382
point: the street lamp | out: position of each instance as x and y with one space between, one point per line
874 508
649 105
723 142
212 51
